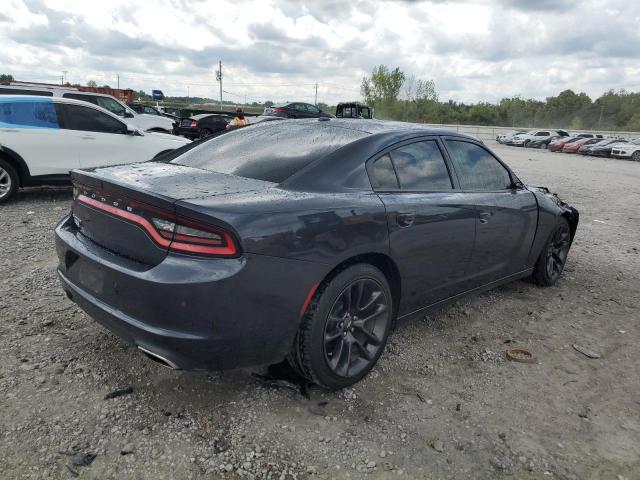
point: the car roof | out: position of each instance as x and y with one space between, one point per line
72 101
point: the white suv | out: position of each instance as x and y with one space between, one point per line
43 138
523 139
143 121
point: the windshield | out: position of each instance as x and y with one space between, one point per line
269 151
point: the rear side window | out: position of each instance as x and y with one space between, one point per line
420 166
19 91
269 151
382 174
83 98
477 168
28 114
90 119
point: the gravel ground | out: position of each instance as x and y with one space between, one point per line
442 403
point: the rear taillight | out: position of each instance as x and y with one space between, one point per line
194 123
169 231
279 110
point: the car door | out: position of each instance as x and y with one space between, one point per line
431 228
300 111
31 128
312 110
507 213
100 139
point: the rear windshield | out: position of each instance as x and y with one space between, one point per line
270 151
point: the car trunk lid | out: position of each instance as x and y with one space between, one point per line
131 210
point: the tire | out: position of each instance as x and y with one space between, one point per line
636 156
334 348
544 146
205 132
553 256
8 181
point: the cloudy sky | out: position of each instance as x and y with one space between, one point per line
277 50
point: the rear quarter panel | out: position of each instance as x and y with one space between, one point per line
318 227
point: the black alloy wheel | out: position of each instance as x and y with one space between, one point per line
355 327
636 156
205 132
553 257
345 328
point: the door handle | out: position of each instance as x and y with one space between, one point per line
87 137
405 219
484 217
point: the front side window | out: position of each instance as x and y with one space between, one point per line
91 120
313 108
81 97
111 105
421 166
382 174
28 114
150 111
477 168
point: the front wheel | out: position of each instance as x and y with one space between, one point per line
636 156
553 257
345 328
8 181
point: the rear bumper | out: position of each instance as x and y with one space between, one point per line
198 314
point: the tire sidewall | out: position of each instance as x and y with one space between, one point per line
320 370
13 175
543 277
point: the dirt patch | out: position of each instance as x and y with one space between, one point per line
444 402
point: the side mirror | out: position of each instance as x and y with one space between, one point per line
131 130
128 114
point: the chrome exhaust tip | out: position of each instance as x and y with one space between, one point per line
158 358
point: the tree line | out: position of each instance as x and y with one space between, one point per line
397 96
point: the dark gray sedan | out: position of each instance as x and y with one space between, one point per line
301 240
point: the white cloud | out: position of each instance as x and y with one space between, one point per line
277 49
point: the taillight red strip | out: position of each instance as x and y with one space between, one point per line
307 300
229 249
132 217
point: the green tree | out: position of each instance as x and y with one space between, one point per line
6 78
383 86
92 83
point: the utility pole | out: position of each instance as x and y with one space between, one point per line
219 78
187 92
316 104
64 74
118 75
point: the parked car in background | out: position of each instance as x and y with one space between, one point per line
295 110
203 125
601 148
43 138
142 121
541 142
353 110
574 146
558 143
302 241
505 137
150 110
523 139
589 135
627 151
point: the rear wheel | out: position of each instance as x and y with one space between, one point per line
8 181
345 329
636 156
205 132
553 256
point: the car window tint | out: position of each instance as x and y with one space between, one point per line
28 114
420 166
477 168
91 120
111 105
149 110
269 151
382 174
79 96
19 91
313 108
